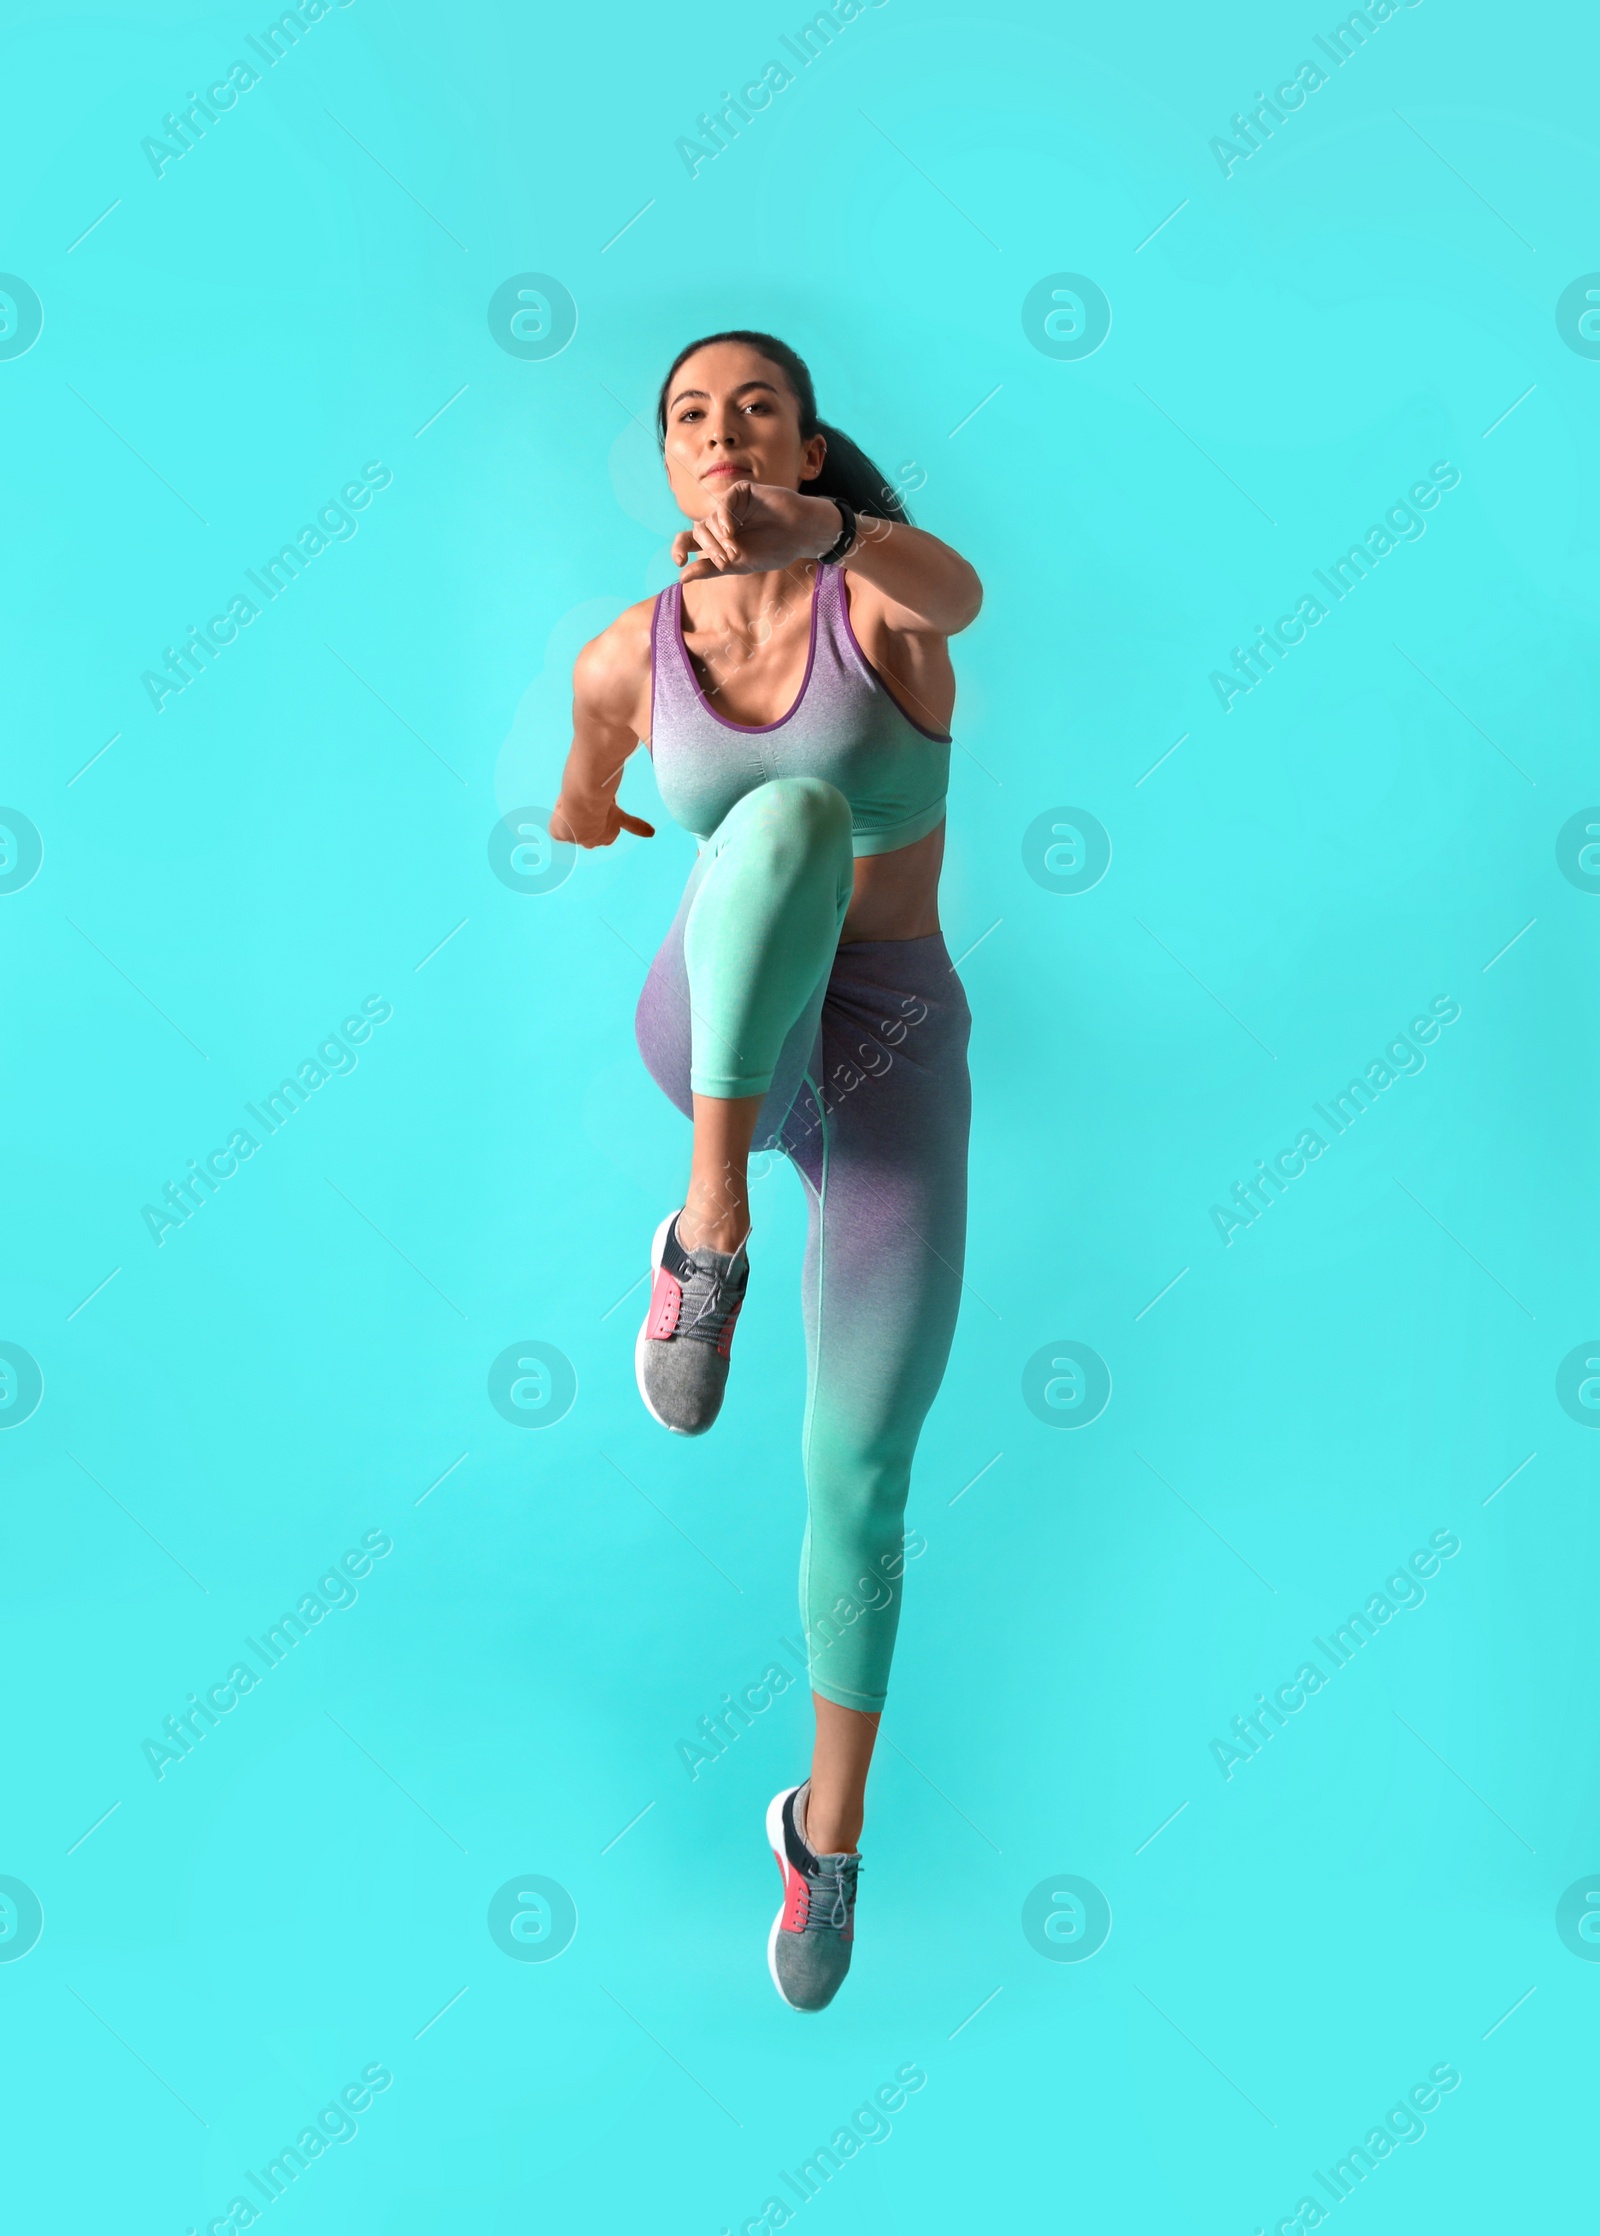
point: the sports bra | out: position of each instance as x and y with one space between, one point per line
843 726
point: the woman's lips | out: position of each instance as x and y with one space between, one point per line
734 473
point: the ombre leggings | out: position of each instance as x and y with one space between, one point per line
860 1055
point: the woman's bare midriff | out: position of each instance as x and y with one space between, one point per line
896 895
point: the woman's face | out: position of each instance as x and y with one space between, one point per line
731 416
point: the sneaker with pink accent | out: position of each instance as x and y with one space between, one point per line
680 1359
813 1935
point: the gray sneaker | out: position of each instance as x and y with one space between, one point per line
808 1949
680 1360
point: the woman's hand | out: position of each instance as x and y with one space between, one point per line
580 819
754 527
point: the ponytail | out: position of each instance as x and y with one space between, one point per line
847 471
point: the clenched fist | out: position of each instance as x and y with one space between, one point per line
753 527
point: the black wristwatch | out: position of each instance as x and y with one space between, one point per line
846 537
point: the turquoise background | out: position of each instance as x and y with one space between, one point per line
307 1359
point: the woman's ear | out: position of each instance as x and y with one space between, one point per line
811 459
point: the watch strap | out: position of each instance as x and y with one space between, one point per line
846 537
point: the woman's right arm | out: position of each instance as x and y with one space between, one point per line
610 716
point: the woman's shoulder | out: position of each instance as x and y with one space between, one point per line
613 664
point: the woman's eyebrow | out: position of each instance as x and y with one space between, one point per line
706 393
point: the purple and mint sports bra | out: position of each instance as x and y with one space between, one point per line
844 726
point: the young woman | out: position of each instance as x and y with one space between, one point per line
795 689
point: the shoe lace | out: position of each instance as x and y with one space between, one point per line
830 1890
714 1308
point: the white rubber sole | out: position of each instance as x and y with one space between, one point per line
775 1843
642 1337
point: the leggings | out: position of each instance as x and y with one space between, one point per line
860 1055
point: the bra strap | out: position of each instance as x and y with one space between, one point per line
833 616
663 622
660 664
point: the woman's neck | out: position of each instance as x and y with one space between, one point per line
742 604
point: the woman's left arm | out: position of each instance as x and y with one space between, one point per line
933 587
924 587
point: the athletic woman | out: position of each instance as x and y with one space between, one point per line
795 689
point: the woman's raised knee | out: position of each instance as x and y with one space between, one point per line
805 812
